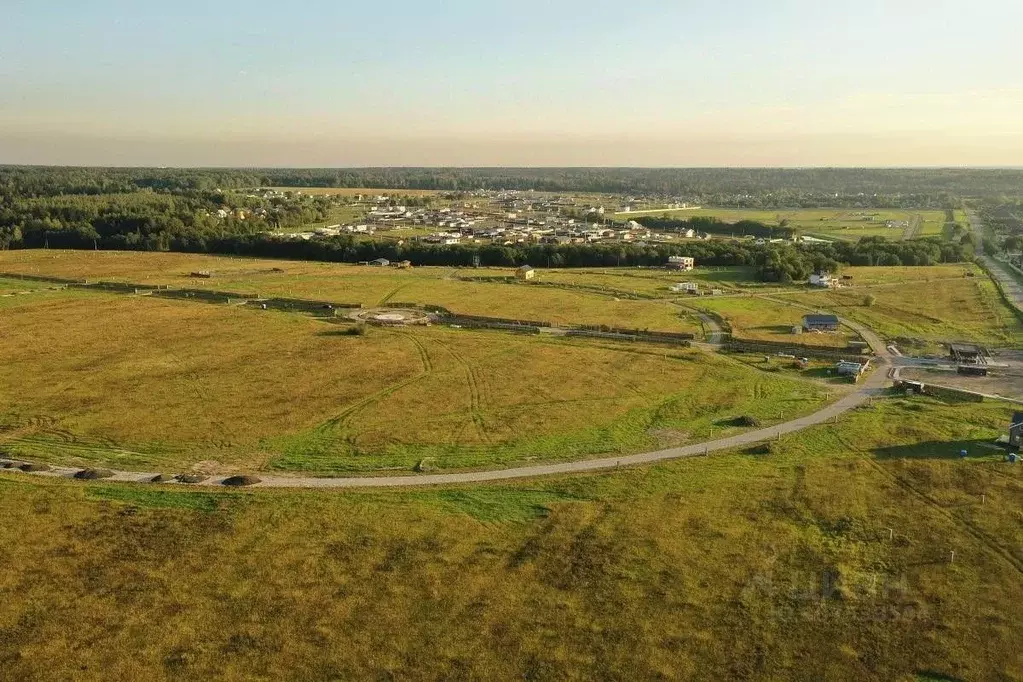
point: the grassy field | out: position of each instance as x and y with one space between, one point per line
835 223
900 275
760 319
827 559
960 309
646 281
355 284
142 382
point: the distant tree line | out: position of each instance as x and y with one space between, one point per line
741 187
771 262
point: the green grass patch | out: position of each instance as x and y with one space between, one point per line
160 498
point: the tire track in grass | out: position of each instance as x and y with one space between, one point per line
477 395
391 294
342 418
327 435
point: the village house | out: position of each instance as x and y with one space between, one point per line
685 263
686 287
820 323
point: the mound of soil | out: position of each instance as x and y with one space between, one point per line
8 465
34 467
746 420
761 449
93 474
161 478
190 478
241 481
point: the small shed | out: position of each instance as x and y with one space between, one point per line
1016 430
380 263
525 272
820 323
849 369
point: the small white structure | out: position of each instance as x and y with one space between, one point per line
849 369
681 263
686 287
525 272
820 280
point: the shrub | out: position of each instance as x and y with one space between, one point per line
357 330
238 481
93 474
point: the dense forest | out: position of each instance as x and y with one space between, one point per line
186 210
744 187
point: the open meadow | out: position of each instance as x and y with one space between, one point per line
925 313
370 286
144 382
829 223
829 558
760 319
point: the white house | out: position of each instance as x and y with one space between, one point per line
686 287
820 280
681 262
525 272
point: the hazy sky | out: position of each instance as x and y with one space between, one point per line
534 82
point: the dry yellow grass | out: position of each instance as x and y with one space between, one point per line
144 382
954 309
352 284
764 320
725 567
147 373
